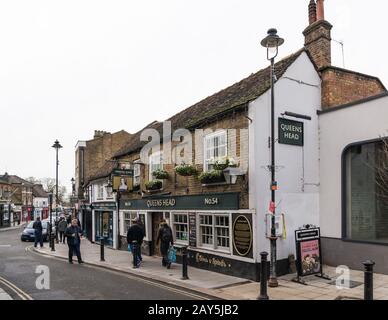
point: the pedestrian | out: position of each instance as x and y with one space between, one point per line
73 235
38 230
62 226
166 240
136 233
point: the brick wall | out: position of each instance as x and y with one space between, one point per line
341 86
179 185
101 149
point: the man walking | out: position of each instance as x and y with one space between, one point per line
166 240
38 229
74 234
62 226
136 233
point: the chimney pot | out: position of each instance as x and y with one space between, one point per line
320 10
312 12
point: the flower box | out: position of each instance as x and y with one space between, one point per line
160 174
186 170
154 185
212 177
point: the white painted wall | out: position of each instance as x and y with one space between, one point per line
300 205
338 129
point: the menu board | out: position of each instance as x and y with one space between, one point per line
192 230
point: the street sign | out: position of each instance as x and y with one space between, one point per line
123 172
291 132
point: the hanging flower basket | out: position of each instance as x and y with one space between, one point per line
211 177
186 170
154 185
160 174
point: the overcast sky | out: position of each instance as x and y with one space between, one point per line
70 67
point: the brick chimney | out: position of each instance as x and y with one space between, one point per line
318 35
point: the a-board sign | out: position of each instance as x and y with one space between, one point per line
308 250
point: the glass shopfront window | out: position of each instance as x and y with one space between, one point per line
214 231
366 192
104 226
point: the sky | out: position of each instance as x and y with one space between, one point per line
70 67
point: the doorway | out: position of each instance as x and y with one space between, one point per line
156 219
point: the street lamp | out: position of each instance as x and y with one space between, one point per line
56 146
109 190
272 42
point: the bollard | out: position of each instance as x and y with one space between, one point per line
134 253
368 280
52 242
263 277
184 263
102 253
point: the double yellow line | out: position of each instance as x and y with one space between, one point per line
19 292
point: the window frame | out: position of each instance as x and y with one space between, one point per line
213 135
150 163
136 172
344 193
173 224
214 246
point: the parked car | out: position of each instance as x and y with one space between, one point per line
28 233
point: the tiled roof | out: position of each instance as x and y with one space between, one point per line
38 191
226 100
12 179
103 172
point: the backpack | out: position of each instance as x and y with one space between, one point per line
166 234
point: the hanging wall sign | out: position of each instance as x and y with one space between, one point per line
291 132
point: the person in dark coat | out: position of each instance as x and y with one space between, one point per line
73 235
62 226
38 230
136 233
166 240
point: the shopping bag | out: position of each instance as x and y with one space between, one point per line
129 248
172 254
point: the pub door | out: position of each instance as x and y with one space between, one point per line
156 219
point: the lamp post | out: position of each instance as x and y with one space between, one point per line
109 190
56 146
272 43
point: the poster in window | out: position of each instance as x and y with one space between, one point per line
310 257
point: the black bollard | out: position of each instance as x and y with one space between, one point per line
368 280
184 263
102 248
263 277
134 253
52 242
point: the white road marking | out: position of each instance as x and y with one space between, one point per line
23 295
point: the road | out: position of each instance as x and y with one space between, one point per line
68 282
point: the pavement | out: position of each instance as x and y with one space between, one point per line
220 286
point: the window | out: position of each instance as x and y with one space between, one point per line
100 191
136 173
109 194
180 227
366 192
222 231
215 148
214 231
155 163
206 229
128 217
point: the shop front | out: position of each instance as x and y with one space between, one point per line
5 215
219 235
103 217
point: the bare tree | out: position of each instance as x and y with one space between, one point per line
381 169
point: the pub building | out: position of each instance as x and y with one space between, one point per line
222 214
